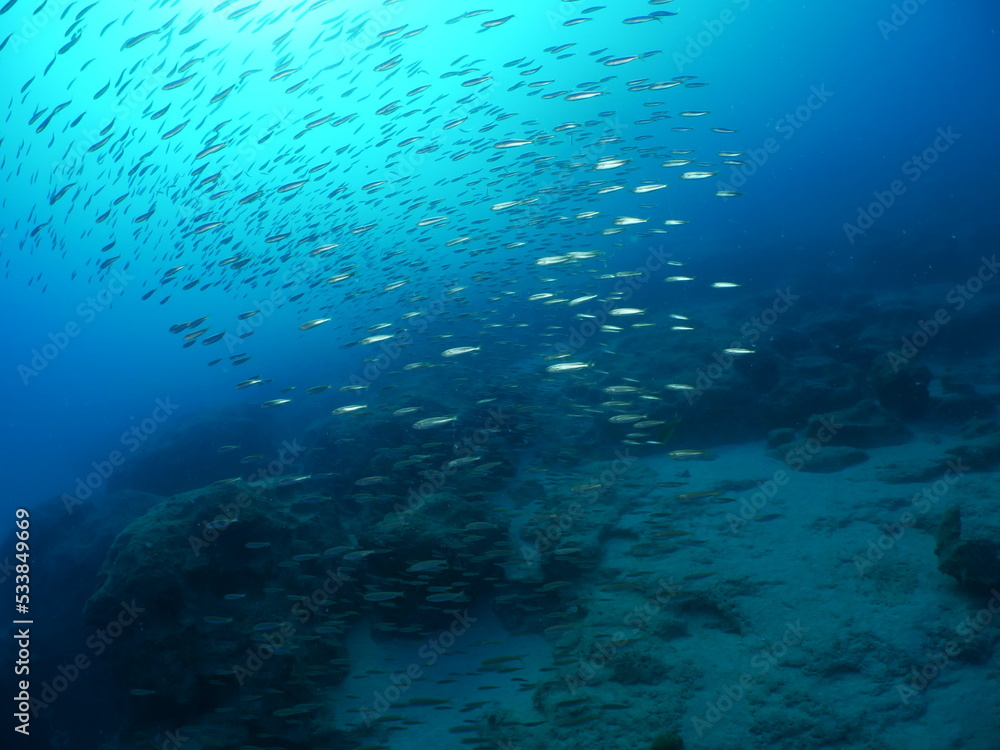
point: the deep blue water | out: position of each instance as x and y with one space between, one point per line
890 92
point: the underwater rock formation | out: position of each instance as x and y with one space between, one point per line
974 563
901 385
833 440
864 425
468 455
779 437
959 402
767 391
458 533
980 448
667 741
208 614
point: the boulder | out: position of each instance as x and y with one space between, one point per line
975 563
779 437
980 453
901 385
959 402
864 425
218 591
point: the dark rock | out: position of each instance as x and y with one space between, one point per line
671 627
347 450
667 741
864 425
727 486
916 470
458 531
781 436
730 408
526 492
791 374
634 668
165 582
980 428
975 564
951 385
980 453
901 385
956 408
789 342
760 372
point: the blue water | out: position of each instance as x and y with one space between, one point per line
865 182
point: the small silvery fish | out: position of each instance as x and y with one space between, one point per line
313 323
567 367
275 402
459 350
430 422
348 409
626 311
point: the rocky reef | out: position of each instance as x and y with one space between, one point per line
224 593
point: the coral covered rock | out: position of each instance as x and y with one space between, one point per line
218 592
